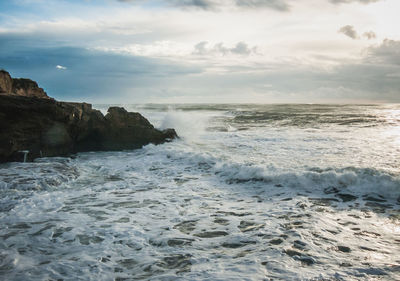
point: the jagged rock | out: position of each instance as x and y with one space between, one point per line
28 88
20 86
46 127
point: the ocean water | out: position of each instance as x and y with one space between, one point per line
249 192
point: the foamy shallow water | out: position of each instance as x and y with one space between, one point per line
248 193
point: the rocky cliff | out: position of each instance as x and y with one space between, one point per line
20 86
46 127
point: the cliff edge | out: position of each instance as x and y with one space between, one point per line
34 125
20 86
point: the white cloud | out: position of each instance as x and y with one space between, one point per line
61 67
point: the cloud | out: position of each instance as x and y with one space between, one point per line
241 48
61 67
369 35
353 1
349 31
93 75
387 53
279 5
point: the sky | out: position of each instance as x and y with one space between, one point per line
205 51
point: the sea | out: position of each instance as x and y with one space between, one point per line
247 192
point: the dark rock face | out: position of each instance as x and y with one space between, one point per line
46 127
20 86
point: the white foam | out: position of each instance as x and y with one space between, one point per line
142 214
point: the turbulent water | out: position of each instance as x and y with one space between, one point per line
249 192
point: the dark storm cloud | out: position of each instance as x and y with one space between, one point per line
349 31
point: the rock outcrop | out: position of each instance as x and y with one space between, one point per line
20 86
27 88
5 82
46 127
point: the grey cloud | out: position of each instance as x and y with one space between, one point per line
201 4
369 35
352 1
278 5
374 78
200 48
387 53
349 31
274 4
241 48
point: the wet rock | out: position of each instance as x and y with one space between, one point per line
211 234
45 128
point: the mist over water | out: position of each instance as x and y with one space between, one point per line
249 192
